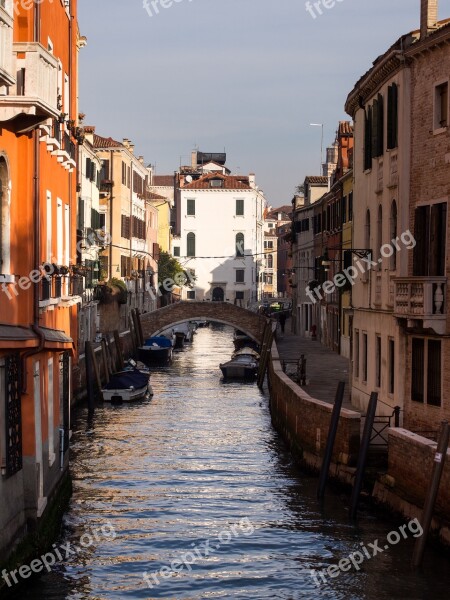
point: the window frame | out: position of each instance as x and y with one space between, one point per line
437 106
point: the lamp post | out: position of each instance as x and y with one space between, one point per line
321 144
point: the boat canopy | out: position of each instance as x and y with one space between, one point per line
160 341
127 379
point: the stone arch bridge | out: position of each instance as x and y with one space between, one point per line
222 312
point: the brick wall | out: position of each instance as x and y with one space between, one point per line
304 422
222 312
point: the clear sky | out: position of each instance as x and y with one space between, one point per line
245 75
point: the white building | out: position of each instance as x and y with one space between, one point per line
221 235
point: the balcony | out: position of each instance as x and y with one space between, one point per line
7 77
422 299
35 95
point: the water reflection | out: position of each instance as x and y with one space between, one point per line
177 471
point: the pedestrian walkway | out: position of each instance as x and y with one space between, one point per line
324 368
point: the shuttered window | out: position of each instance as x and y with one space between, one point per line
190 242
392 117
125 227
368 140
426 371
417 372
430 235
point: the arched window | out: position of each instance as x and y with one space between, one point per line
239 244
393 235
379 235
367 242
5 265
270 261
190 249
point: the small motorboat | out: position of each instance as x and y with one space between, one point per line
156 349
127 385
242 340
170 335
243 365
201 323
184 333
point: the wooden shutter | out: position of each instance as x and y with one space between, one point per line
421 229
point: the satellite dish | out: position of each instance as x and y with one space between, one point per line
189 178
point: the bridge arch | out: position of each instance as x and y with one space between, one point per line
221 312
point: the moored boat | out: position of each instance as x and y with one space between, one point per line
243 365
156 349
126 386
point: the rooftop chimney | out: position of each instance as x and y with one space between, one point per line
252 180
194 159
428 17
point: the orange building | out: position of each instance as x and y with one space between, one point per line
38 313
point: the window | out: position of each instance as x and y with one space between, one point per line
239 295
125 227
51 413
392 117
124 173
176 251
268 245
426 385
268 279
59 232
377 127
391 346
393 235
344 209
365 275
356 351
270 261
378 361
441 106
240 275
350 206
190 242
379 237
216 183
364 357
430 231
368 139
49 223
66 234
125 266
190 294
239 244
239 208
190 208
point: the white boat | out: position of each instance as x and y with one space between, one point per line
128 385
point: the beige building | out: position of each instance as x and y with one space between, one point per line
400 110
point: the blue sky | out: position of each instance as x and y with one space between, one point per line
245 75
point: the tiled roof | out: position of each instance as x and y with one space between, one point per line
163 180
101 142
153 196
345 128
230 182
316 179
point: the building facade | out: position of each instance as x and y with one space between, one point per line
221 235
38 127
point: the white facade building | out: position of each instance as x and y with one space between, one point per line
221 236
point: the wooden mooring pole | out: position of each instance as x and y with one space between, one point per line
334 422
433 489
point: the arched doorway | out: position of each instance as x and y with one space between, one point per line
218 294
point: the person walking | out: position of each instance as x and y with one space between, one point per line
282 319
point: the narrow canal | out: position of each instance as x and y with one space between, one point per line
197 490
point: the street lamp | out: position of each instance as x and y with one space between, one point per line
321 144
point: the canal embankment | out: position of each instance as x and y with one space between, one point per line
303 419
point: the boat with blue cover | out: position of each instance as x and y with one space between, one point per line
126 386
157 349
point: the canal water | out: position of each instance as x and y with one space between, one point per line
195 489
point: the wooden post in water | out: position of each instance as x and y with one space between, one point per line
89 377
90 355
363 451
105 360
139 327
433 489
330 440
119 355
267 346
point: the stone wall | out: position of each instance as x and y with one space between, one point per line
405 486
304 422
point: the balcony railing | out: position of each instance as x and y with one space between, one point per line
422 298
36 92
7 77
